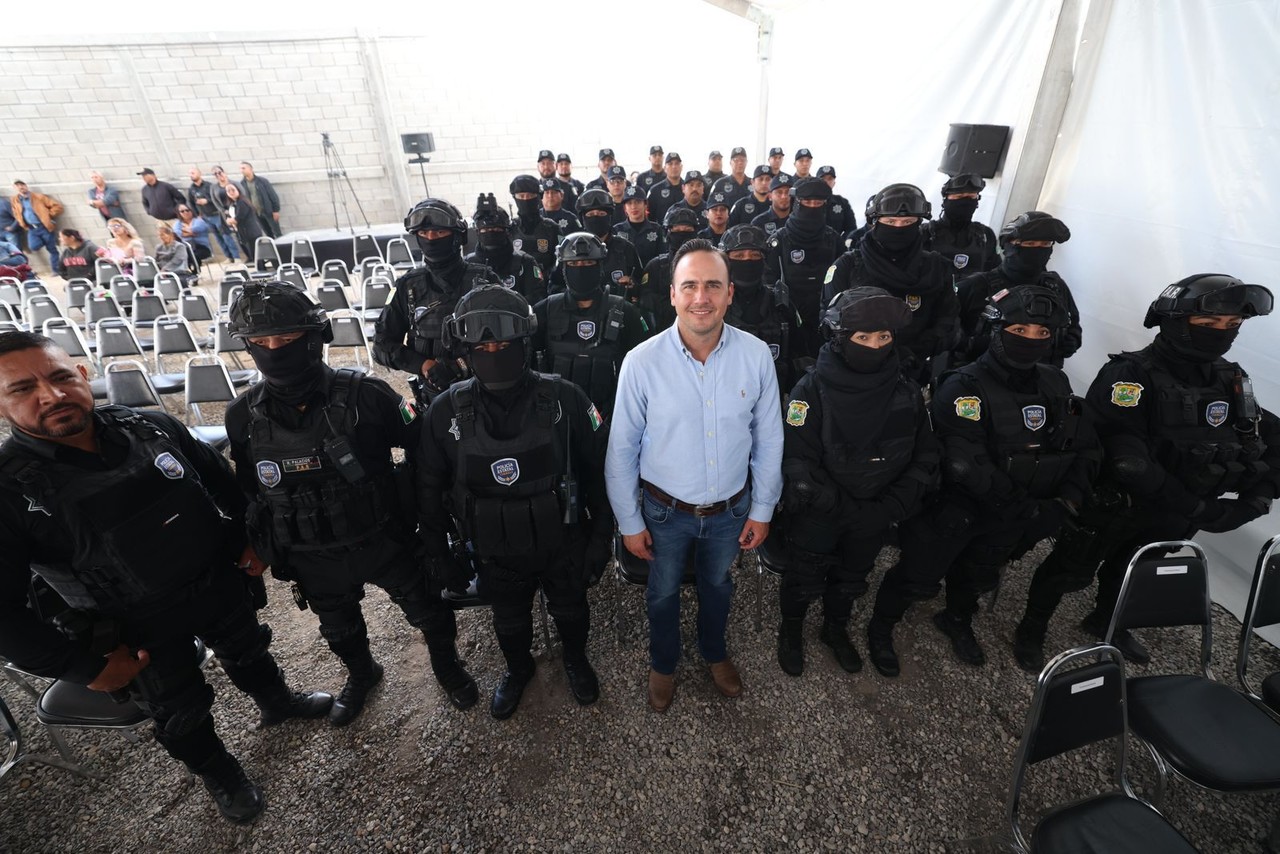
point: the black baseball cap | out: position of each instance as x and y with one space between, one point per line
717 200
804 152
633 194
616 173
563 158
824 171
655 149
714 154
762 169
673 156
692 175
782 179
551 184
546 154
605 152
776 151
147 171
738 152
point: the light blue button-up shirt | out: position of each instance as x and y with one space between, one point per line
694 430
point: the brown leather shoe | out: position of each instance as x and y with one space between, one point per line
726 677
662 689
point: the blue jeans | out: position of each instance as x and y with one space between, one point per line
714 541
37 236
227 243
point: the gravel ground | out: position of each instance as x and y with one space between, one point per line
827 761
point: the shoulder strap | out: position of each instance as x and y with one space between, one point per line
545 403
464 410
342 400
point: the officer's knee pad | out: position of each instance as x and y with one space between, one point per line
186 712
1129 470
342 624
416 604
511 620
252 644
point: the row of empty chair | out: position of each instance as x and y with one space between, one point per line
364 247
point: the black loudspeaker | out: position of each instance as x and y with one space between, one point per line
974 148
418 143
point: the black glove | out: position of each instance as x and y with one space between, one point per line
452 574
595 558
1046 519
868 518
950 519
802 494
445 372
1232 513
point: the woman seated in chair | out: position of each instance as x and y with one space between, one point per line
171 254
124 247
78 254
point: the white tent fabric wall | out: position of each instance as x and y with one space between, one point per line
1166 167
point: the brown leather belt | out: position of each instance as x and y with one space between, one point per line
700 510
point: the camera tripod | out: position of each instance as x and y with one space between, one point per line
336 172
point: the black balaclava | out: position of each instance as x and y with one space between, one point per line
295 371
676 239
1021 354
896 239
1197 343
597 225
584 282
500 371
862 359
495 247
440 252
806 223
959 211
747 274
527 212
1025 263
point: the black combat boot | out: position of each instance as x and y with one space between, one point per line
278 704
506 697
1028 641
583 682
835 634
791 645
457 683
880 647
963 642
238 798
362 674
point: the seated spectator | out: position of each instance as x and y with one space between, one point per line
194 231
124 247
13 263
78 255
105 200
242 219
171 255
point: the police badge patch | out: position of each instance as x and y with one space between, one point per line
509 281
1033 417
969 407
544 245
506 471
913 301
797 412
268 473
1216 413
1126 394
665 192
961 261
774 349
172 469
652 237
586 329
837 208
797 256
617 275
517 243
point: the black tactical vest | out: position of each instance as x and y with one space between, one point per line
138 532
506 492
1205 436
864 471
540 242
429 307
584 348
766 315
969 250
305 477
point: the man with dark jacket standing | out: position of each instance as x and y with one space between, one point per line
160 199
262 198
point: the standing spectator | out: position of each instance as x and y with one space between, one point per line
78 255
171 255
160 198
242 219
209 203
105 200
35 213
125 246
695 461
262 198
194 232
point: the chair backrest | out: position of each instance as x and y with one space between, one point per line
169 286
369 266
147 306
104 270
398 253
226 286
10 326
304 254
1166 591
67 335
1079 700
373 295
9 313
1263 608
77 292
11 292
173 335
239 274
129 385
40 309
99 306
124 287
33 289
194 306
332 296
223 342
145 271
116 338
266 257
365 246
292 274
348 333
208 381
336 269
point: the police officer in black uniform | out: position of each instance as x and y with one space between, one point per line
517 459
854 237
1018 456
775 162
803 162
736 185
617 185
859 456
408 334
969 246
554 210
715 170
139 528
654 174
755 201
840 215
680 224
546 164
715 211
607 162
891 255
761 304
534 234
664 194
694 190
1181 429
1027 242
643 233
800 253
494 250
330 512
775 216
622 267
573 188
584 332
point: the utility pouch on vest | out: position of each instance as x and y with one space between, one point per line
515 526
344 459
567 492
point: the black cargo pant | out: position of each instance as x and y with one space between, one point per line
826 560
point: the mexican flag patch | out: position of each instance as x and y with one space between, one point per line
407 411
593 415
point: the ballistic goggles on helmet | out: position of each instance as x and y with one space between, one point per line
1244 300
476 327
427 217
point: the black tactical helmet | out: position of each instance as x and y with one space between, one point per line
899 200
1035 225
526 184
595 200
275 308
864 309
436 213
490 313
870 209
489 213
965 182
744 237
811 188
1026 304
681 216
581 246
1209 293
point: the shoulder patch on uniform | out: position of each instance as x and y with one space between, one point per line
961 260
594 416
537 272
1216 413
169 466
1126 394
831 274
407 411
913 301
797 256
797 413
268 473
506 471
1033 417
969 407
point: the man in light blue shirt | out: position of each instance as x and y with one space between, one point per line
695 461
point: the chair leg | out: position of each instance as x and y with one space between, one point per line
1162 776
58 762
55 735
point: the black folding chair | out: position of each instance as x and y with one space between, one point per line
304 256
1263 610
